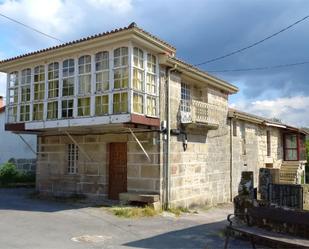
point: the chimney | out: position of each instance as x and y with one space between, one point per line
1 101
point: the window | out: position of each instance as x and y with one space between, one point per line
151 106
38 109
25 84
52 110
102 71
138 79
290 147
151 84
39 82
302 148
120 102
185 98
138 58
151 63
12 114
243 137
121 75
25 93
67 108
84 71
68 70
101 105
121 78
268 142
24 112
72 159
13 87
121 57
138 103
26 76
53 80
83 107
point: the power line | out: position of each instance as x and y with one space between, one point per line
31 28
258 68
253 44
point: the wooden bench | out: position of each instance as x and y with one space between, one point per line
259 220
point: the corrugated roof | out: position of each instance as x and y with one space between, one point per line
133 25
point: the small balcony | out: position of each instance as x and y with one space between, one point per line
199 113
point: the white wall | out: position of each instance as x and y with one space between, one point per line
11 145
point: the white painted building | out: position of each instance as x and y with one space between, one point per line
13 147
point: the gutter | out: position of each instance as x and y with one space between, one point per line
168 147
231 159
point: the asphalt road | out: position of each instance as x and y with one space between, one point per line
27 223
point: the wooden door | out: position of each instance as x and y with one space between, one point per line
117 169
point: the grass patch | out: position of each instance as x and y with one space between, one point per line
134 212
178 210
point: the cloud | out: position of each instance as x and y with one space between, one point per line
65 20
200 30
293 110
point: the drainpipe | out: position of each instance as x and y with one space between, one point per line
231 159
168 146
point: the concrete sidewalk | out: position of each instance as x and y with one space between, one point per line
27 223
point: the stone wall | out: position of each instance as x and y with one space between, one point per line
200 174
256 151
92 177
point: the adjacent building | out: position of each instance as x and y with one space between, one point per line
19 149
117 115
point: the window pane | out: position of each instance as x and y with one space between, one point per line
84 107
121 78
138 103
84 84
121 57
120 103
52 110
138 79
101 105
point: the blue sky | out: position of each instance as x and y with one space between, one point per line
200 30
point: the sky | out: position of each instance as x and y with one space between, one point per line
200 30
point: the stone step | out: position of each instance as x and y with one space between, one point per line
287 182
286 171
289 167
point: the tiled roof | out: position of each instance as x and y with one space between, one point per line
264 120
133 25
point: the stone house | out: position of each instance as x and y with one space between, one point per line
118 116
257 142
16 149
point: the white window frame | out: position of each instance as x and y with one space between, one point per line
67 108
83 107
103 85
53 80
53 112
100 105
68 76
185 103
72 159
36 104
84 72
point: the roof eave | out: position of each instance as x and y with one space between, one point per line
200 75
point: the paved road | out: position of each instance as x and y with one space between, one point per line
27 223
